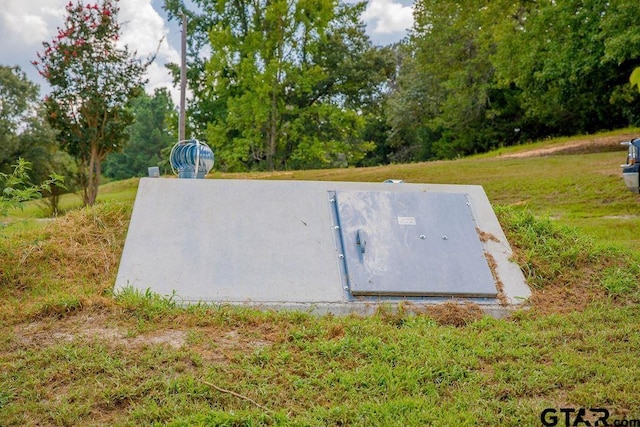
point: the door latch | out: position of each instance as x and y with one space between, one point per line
361 240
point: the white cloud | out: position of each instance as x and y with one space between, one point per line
25 24
14 23
388 17
145 32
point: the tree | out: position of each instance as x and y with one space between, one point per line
93 81
148 136
286 83
17 96
562 56
622 42
477 75
443 97
24 131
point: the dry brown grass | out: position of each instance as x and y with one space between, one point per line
65 266
455 314
560 298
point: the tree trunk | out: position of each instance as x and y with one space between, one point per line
93 177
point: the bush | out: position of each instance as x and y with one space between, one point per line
16 188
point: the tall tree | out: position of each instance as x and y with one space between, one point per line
149 134
93 81
444 83
562 56
621 37
24 131
286 83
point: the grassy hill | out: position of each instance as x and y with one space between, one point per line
72 353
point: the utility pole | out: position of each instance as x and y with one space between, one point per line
183 80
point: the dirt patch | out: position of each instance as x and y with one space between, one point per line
493 266
91 327
213 344
619 217
582 146
485 237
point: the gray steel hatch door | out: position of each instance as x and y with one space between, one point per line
412 244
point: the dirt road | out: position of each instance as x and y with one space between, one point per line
586 145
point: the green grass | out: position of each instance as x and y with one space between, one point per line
324 371
72 353
119 191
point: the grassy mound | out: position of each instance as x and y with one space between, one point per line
567 270
69 263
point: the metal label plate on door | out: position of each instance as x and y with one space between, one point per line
411 244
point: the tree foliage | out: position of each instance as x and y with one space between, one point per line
634 79
571 81
93 80
444 82
477 75
24 131
288 83
149 134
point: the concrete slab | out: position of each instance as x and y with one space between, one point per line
272 244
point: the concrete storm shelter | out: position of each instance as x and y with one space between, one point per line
336 247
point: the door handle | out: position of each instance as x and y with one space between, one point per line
361 240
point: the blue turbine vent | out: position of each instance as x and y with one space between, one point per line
191 159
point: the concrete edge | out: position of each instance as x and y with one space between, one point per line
362 308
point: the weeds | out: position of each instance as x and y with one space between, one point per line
146 305
569 270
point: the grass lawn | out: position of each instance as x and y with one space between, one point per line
72 353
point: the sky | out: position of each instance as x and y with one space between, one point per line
25 24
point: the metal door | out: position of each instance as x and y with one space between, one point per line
411 244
